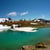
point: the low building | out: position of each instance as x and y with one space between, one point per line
36 20
34 23
42 21
5 19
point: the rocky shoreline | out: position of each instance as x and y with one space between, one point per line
38 46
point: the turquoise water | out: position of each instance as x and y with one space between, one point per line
14 40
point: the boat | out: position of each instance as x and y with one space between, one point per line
25 29
4 28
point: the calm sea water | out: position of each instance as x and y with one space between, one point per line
14 40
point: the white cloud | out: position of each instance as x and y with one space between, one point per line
15 13
12 14
24 13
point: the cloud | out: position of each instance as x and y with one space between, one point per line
15 13
24 13
12 14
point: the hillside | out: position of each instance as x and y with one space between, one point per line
25 23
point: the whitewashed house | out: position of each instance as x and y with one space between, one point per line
36 20
4 19
34 23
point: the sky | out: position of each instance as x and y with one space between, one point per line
25 9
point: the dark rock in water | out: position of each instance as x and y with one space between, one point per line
41 45
28 47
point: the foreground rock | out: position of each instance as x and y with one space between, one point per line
41 45
28 47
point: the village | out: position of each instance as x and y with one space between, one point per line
23 25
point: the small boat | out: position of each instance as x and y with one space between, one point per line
4 28
25 29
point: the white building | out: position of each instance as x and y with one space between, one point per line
34 23
4 19
37 20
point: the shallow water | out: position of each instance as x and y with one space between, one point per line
14 40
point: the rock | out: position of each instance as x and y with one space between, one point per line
41 45
28 47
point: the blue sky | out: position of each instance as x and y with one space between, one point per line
25 9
